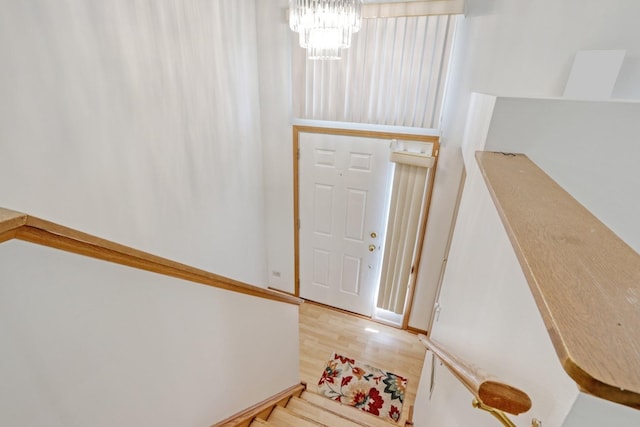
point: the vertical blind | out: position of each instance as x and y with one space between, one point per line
393 74
408 198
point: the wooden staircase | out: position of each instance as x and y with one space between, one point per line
297 407
312 410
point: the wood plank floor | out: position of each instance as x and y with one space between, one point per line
323 331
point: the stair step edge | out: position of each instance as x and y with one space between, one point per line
351 413
342 417
259 422
283 415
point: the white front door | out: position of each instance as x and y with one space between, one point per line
343 199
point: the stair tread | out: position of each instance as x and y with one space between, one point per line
283 417
320 414
257 422
346 411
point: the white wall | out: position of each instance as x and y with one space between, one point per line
274 52
90 343
522 48
138 122
526 49
590 148
591 411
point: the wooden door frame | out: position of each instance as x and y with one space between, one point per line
297 129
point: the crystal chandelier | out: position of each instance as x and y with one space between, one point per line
325 26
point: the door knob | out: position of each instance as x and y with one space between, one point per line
372 248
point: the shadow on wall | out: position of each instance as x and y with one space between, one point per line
473 8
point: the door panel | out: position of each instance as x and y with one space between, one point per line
323 206
343 185
356 215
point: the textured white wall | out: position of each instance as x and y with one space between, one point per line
90 343
138 122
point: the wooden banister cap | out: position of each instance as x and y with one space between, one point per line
584 278
504 397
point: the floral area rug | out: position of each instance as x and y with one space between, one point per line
367 388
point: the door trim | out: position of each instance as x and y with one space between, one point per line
422 233
297 129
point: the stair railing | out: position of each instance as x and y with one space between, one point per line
490 395
17 225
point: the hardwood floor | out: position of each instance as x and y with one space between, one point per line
323 331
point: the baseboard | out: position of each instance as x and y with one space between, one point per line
417 331
339 310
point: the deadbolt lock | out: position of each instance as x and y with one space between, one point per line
374 235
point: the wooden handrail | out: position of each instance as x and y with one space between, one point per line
487 389
16 225
585 279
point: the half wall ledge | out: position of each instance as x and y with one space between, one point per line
583 277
